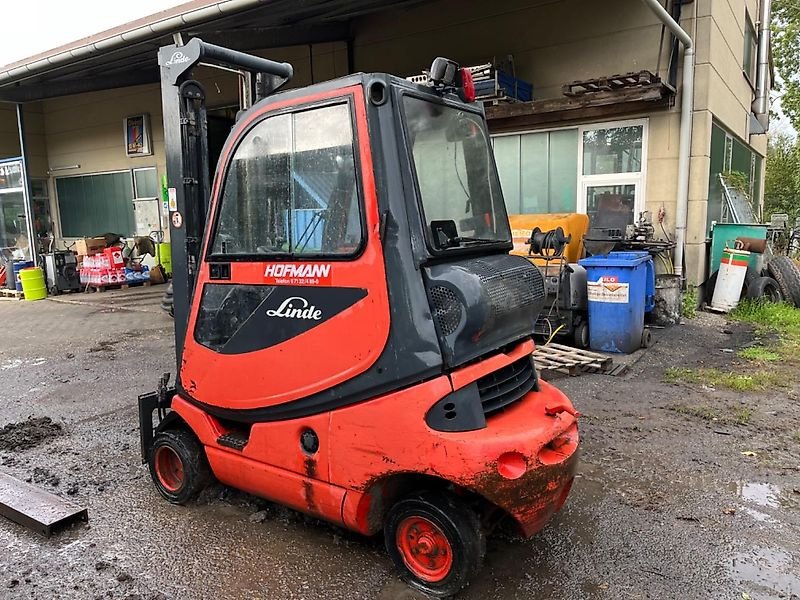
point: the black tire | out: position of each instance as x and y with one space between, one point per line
580 334
178 466
751 275
764 288
452 521
785 272
647 338
167 302
708 289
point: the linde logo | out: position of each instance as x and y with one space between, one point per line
296 308
298 271
177 58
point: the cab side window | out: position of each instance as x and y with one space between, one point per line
291 189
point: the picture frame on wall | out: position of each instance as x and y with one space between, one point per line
137 135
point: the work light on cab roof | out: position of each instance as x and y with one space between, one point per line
446 75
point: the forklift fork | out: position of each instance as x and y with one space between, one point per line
148 403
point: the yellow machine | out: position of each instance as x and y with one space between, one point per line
573 224
555 244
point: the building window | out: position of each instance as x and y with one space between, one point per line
145 183
95 204
750 49
40 200
13 214
592 169
612 173
728 153
538 171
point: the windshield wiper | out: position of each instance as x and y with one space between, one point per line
473 240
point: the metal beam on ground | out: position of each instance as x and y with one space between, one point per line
35 508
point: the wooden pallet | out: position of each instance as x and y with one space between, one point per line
557 358
610 83
6 293
116 286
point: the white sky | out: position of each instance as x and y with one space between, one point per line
34 26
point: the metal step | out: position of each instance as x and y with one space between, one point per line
35 508
234 439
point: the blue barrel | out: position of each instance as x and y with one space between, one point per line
18 266
618 289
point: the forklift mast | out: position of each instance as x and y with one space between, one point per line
186 146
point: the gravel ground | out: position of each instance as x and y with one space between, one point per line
666 504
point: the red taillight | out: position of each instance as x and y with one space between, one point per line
467 86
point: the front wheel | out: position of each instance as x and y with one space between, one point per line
435 542
178 466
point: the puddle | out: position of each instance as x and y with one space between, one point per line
759 516
15 363
763 494
770 569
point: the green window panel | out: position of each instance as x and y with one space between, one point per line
506 155
91 205
146 183
538 171
562 171
750 53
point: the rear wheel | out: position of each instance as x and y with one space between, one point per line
178 466
435 542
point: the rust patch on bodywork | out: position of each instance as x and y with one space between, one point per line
531 499
310 468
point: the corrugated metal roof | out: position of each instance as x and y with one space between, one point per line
127 55
181 9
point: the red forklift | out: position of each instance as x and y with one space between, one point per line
353 338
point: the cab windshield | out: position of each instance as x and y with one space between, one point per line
456 176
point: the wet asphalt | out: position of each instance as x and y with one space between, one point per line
666 504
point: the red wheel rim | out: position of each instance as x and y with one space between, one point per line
425 549
169 468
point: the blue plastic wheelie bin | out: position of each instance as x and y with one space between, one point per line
621 288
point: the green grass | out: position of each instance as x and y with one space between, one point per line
740 382
796 436
701 411
782 318
737 416
689 302
759 354
743 416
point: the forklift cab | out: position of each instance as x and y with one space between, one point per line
334 210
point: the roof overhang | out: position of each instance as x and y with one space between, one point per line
521 115
127 55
